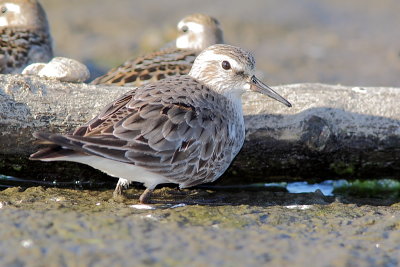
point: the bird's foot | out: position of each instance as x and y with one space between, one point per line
145 196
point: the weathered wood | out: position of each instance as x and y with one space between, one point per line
330 132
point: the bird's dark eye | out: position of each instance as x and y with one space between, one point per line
185 28
3 9
226 65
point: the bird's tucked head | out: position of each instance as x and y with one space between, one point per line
229 70
198 31
27 14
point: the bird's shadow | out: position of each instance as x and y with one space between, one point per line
262 197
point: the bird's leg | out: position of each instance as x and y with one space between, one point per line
121 185
145 197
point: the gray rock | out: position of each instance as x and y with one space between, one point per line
330 132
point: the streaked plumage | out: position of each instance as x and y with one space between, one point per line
183 129
197 32
24 35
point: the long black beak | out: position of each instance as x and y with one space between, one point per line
258 86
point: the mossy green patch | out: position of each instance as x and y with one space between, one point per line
385 188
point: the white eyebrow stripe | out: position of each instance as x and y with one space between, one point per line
193 26
13 7
210 55
181 24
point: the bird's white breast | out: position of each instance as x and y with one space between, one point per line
118 169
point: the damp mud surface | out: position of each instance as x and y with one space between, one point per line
197 227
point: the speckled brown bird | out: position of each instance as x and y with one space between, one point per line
24 35
196 32
183 129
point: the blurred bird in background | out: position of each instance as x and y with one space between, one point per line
24 35
196 32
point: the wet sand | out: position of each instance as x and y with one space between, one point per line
64 227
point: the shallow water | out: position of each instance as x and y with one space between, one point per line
326 187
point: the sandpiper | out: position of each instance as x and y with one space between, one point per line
24 35
183 129
197 32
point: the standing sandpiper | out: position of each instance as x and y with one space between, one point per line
24 35
184 129
197 32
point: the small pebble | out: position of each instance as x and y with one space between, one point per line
300 207
142 207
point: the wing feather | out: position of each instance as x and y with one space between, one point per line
173 136
150 68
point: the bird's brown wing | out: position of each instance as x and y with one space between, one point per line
21 47
173 128
150 68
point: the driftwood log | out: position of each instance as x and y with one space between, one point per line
330 132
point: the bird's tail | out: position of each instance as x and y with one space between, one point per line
55 149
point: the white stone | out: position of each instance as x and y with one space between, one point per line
65 70
60 68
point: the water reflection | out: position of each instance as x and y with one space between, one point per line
361 188
326 187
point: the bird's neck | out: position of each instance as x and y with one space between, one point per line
235 98
193 42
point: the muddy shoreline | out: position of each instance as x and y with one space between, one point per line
83 228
